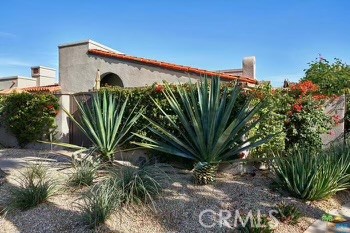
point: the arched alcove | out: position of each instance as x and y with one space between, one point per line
111 79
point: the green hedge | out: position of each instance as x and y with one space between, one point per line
29 117
146 97
291 128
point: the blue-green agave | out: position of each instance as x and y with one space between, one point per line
208 133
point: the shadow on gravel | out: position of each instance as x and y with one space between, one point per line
183 202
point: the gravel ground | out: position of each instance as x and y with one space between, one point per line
178 209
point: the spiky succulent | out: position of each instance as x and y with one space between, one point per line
288 213
210 130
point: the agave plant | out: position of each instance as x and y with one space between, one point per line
288 213
256 225
311 175
105 122
208 134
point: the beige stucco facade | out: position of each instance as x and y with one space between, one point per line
78 69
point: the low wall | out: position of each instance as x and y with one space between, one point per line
335 108
8 140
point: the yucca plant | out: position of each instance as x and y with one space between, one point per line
105 122
288 213
35 187
312 175
208 134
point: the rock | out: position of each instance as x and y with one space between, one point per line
2 177
2 174
236 169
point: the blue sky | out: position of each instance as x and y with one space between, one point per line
212 35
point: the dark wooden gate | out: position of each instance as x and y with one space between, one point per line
77 137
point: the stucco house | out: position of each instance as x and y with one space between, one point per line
40 76
87 65
82 64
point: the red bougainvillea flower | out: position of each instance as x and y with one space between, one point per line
50 107
336 119
297 107
304 88
320 97
159 88
332 133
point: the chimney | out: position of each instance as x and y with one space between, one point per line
44 76
249 67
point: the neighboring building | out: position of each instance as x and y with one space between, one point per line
41 76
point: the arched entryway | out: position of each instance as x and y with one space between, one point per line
111 79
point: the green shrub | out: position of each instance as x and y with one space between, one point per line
138 185
211 132
99 204
309 175
35 187
84 172
333 79
148 98
29 117
272 117
327 217
288 213
306 122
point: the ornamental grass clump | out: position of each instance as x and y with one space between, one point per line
210 128
35 187
84 172
99 204
138 185
126 186
311 175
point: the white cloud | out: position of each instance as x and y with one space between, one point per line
7 35
13 62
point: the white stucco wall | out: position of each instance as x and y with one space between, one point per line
6 83
62 119
44 81
23 82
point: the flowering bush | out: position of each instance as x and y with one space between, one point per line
333 79
306 122
303 88
295 115
29 117
272 117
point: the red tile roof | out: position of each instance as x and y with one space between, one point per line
171 66
50 88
